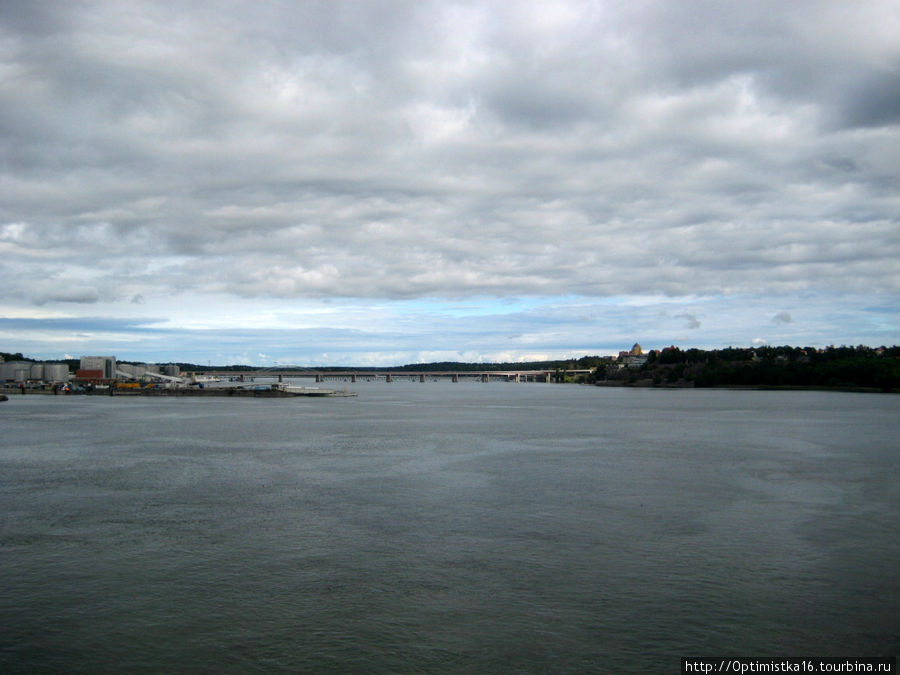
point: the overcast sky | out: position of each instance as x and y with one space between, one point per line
386 182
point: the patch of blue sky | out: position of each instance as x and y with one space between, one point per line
83 324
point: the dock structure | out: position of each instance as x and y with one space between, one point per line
262 391
272 392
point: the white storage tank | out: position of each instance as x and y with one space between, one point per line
56 372
12 370
37 371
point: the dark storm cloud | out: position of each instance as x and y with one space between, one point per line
419 149
874 101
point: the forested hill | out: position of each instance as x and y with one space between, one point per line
833 367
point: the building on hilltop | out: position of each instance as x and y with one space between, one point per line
634 358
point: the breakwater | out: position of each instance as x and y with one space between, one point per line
239 392
227 392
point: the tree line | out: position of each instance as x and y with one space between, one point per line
833 367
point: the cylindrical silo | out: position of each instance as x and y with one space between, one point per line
56 372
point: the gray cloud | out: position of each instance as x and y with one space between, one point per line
57 290
690 321
433 149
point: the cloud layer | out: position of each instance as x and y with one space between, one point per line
392 151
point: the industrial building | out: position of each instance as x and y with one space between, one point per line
97 368
92 369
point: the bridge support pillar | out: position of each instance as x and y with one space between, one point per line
422 377
485 378
517 378
388 378
318 377
353 378
455 377
547 377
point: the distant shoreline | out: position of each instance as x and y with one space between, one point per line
254 393
648 384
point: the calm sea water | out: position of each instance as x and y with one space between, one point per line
447 528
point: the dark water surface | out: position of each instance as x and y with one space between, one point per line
447 528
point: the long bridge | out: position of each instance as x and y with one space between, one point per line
393 375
